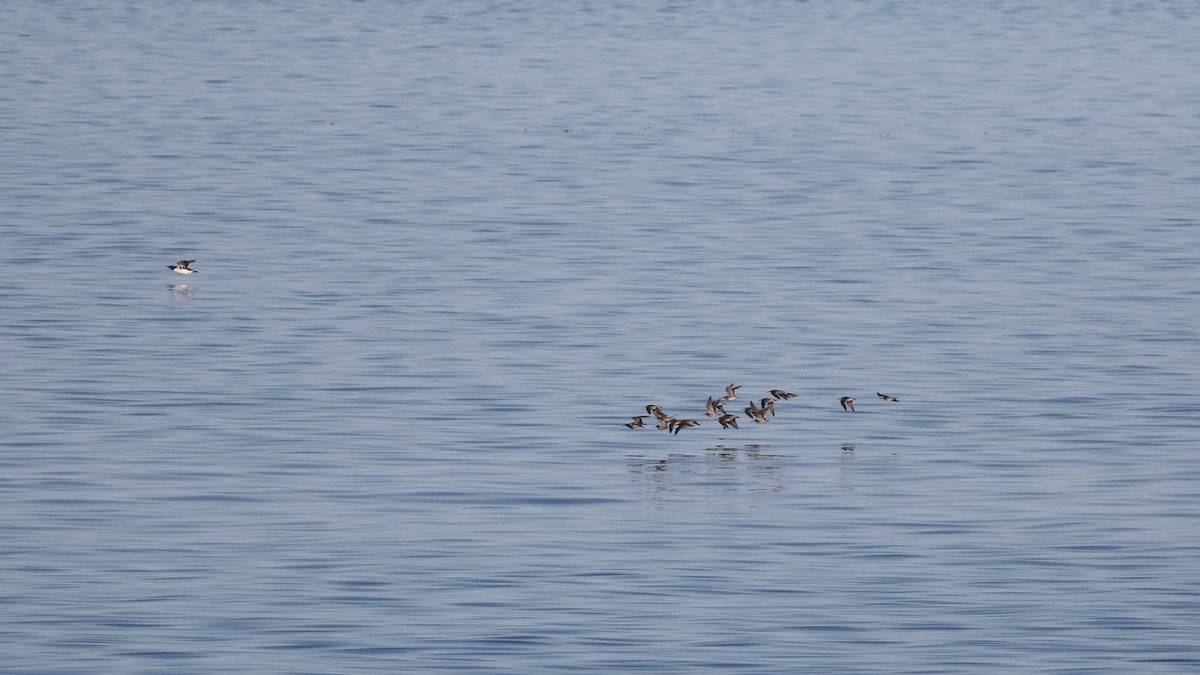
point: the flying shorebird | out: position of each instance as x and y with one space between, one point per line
181 267
731 392
655 410
665 422
728 420
637 422
678 425
847 403
768 406
885 397
751 410
781 394
755 413
714 408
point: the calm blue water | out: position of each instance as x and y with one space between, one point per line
447 249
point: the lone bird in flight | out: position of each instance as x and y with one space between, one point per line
637 422
731 392
181 267
847 403
781 394
885 397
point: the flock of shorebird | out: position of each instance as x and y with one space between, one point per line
716 408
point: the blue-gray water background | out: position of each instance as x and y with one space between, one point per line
447 249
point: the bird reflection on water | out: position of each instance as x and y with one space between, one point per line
748 468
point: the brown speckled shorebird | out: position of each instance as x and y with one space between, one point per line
728 420
768 406
679 425
637 422
781 394
847 403
714 408
731 392
751 410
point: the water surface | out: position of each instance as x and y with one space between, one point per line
446 251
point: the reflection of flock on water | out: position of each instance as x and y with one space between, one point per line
755 467
759 412
755 452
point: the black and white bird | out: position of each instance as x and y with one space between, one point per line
181 267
